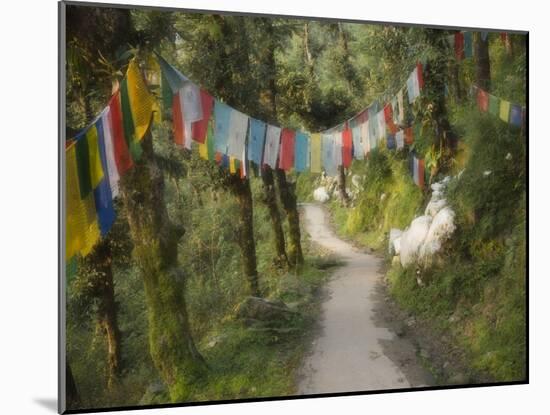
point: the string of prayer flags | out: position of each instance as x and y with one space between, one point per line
238 128
256 139
286 154
301 152
505 110
347 147
271 148
222 116
315 153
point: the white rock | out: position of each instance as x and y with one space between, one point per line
446 180
441 229
394 234
321 195
397 245
382 197
508 156
413 238
434 206
487 173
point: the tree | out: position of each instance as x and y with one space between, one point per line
155 239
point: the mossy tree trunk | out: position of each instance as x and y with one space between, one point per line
341 181
155 239
289 202
270 200
241 189
98 268
482 62
71 391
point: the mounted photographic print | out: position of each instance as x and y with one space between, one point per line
256 207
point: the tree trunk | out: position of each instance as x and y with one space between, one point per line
342 193
100 271
71 391
155 241
270 200
482 62
241 189
288 200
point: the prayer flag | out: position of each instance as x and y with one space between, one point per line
315 150
301 152
128 122
174 77
122 154
400 139
102 193
504 110
483 100
388 117
177 120
238 128
468 45
347 144
82 230
358 152
222 115
459 45
409 138
390 142
365 141
381 128
199 129
256 139
106 136
337 148
286 152
328 155
401 108
516 115
142 103
420 76
271 148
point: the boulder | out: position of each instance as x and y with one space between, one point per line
394 234
413 238
321 195
261 309
434 206
441 229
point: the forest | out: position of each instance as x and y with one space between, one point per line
206 286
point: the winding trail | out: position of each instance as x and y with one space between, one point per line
356 350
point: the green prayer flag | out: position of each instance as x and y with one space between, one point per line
128 122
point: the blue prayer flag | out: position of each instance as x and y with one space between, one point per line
516 115
256 139
301 151
222 115
357 146
390 142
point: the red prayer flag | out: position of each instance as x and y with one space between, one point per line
199 128
409 139
123 159
346 147
420 76
459 45
388 116
482 100
286 153
177 120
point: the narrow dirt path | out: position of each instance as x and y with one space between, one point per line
356 350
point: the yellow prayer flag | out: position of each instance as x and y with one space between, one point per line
203 151
315 148
232 168
82 231
142 102
504 110
96 169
